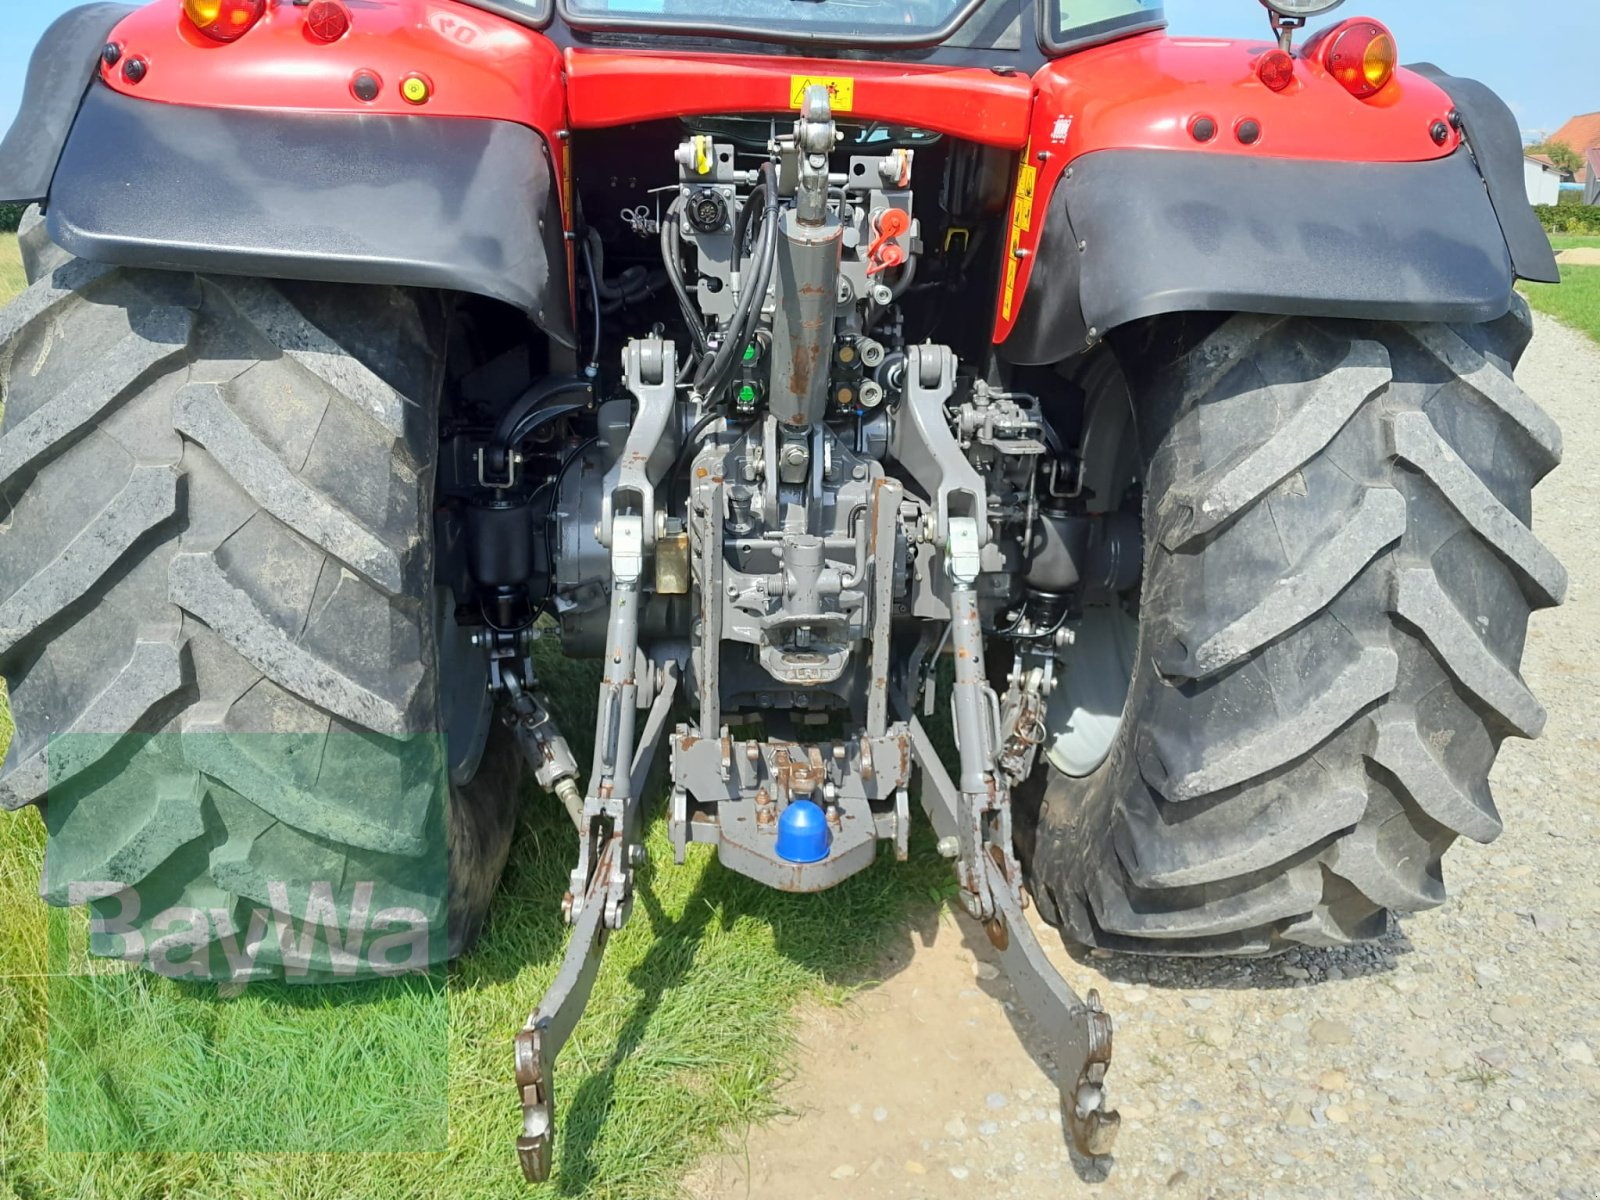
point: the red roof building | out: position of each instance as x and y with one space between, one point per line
1583 135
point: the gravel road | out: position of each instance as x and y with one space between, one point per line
1457 1056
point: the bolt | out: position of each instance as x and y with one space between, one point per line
134 69
949 847
111 55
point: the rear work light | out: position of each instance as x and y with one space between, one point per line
224 20
1361 55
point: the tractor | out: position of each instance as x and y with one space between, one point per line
1144 405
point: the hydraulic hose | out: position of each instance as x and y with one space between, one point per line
715 369
593 371
534 408
741 223
672 257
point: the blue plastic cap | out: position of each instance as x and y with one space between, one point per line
803 833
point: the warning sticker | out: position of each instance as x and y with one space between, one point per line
1021 223
841 92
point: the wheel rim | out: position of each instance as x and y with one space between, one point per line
1094 671
466 709
1085 711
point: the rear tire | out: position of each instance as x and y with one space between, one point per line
216 523
1339 570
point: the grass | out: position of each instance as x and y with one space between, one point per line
684 1045
1574 241
1576 300
12 280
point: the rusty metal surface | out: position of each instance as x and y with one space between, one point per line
742 786
550 1024
1082 1029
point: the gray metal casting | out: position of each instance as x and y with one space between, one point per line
814 556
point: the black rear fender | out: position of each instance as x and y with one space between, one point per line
1131 234
414 201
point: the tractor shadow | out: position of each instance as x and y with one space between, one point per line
855 937
1085 969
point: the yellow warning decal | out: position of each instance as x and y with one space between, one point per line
1021 223
841 92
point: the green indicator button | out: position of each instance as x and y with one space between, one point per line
747 396
751 354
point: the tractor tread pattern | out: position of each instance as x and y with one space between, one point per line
215 518
1339 574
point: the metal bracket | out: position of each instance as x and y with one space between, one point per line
650 373
922 443
1081 1028
551 1024
603 907
983 805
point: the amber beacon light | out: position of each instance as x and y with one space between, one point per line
224 20
1360 54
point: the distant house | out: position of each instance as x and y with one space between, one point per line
1582 133
1543 179
1591 174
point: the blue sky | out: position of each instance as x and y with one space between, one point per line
1543 56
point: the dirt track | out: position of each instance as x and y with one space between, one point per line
1456 1057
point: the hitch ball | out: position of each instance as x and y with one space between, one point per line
803 833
